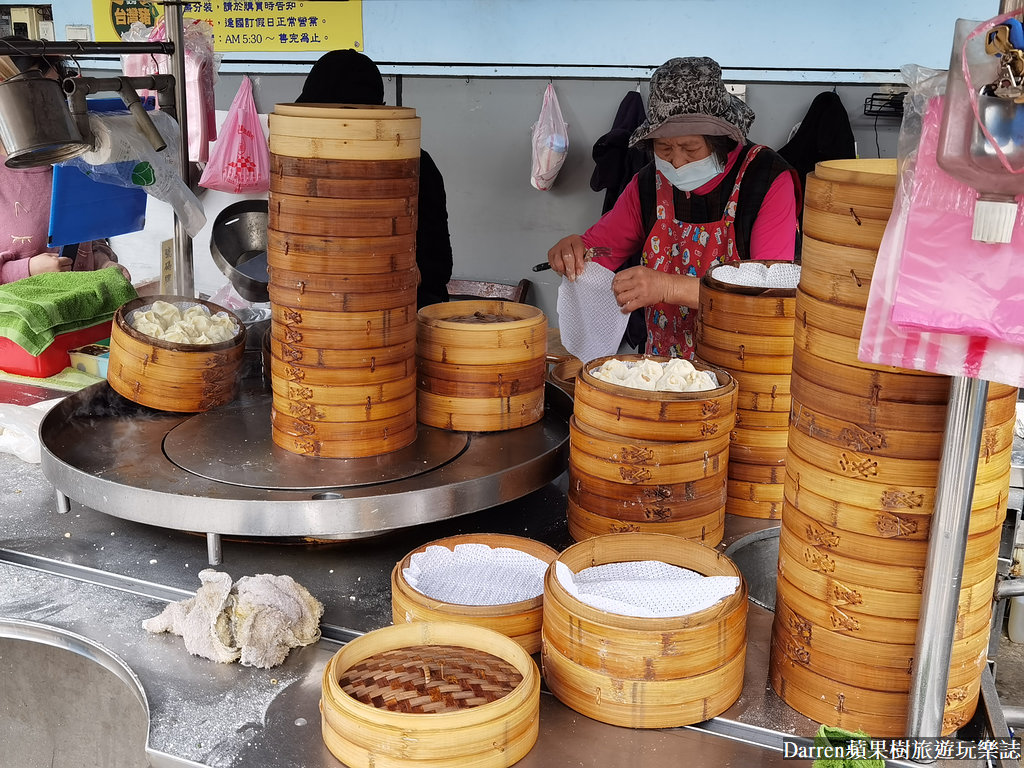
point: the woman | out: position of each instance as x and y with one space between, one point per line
350 77
709 197
25 207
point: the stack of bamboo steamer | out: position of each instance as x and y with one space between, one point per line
653 462
342 261
644 672
861 472
482 365
748 331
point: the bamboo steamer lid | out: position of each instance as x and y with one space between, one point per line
171 376
861 201
861 171
346 111
339 125
520 621
707 529
671 671
871 384
493 734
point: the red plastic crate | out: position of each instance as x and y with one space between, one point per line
54 359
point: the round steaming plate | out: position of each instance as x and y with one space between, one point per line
233 445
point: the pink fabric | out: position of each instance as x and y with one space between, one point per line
25 223
772 237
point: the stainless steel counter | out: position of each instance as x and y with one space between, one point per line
86 580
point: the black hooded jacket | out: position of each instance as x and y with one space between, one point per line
350 77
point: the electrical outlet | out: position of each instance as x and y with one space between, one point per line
737 89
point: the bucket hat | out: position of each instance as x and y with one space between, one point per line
689 97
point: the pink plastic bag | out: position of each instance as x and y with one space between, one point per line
240 161
883 342
550 142
949 282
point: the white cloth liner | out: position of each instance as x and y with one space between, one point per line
782 275
476 574
590 321
645 588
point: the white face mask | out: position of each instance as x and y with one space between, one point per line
690 176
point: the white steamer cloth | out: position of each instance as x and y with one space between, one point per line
476 574
590 321
645 588
759 275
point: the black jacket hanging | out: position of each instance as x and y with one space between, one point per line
824 134
615 162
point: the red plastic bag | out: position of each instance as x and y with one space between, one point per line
240 161
550 142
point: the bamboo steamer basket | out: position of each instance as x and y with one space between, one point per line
741 360
848 228
563 374
660 502
754 344
353 226
341 301
707 528
871 384
481 376
337 123
286 205
763 402
776 421
873 522
362 330
347 255
914 417
856 200
341 356
825 257
296 363
493 734
762 510
651 672
861 171
304 282
342 132
637 462
653 416
757 473
741 489
170 376
758 446
845 287
835 318
895 576
520 621
375 444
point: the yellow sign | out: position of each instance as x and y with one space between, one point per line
249 26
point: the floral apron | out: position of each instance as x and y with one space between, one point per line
681 248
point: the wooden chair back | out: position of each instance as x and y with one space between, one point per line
480 289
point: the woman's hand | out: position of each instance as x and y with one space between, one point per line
568 256
638 287
48 262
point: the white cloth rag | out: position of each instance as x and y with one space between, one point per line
258 620
645 588
590 321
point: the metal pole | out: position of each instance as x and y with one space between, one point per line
944 566
183 279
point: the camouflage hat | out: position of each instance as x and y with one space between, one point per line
689 97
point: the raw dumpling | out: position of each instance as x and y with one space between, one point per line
166 314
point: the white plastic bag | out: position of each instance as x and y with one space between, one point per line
550 142
19 429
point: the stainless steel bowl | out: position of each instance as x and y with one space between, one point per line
239 237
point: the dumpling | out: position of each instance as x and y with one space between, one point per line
671 382
164 313
650 369
197 310
177 335
678 365
637 380
147 327
613 370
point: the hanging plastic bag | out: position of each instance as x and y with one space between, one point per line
240 162
123 156
884 342
201 65
550 142
948 281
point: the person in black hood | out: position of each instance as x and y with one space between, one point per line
350 77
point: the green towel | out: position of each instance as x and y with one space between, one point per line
36 309
828 735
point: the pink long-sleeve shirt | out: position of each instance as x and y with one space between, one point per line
25 223
773 235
